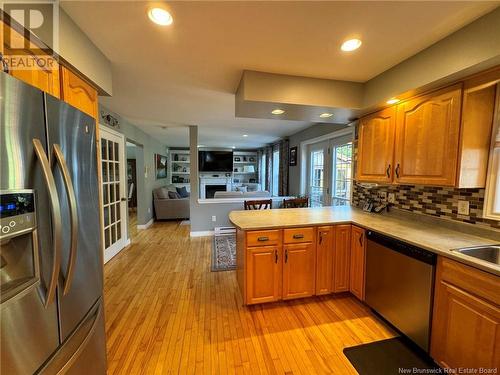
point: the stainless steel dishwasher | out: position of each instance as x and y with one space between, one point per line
400 285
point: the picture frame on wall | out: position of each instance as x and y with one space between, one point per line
293 156
160 166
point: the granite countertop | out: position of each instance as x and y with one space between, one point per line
437 235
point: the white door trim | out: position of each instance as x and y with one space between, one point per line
304 157
118 246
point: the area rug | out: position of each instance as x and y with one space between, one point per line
224 253
392 356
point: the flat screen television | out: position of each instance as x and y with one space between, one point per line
215 161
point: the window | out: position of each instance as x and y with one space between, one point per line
342 176
492 197
276 172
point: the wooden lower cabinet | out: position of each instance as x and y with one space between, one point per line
466 325
342 257
324 259
264 270
357 262
299 269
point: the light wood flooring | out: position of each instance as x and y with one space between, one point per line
166 313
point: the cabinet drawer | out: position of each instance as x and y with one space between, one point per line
264 238
297 235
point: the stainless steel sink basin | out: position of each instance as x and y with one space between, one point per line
489 253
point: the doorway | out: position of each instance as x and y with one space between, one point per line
113 186
329 170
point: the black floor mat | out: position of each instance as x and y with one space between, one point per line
388 357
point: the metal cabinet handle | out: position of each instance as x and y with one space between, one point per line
263 239
397 171
361 239
59 157
286 255
275 256
55 211
320 237
298 236
388 171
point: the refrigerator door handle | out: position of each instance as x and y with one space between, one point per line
55 211
59 158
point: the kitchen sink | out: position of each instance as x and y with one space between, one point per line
489 253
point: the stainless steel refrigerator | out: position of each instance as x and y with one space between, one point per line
51 272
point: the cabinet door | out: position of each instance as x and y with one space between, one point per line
78 93
427 135
376 146
357 271
324 260
465 329
263 274
341 258
299 270
29 64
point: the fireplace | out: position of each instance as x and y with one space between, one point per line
211 189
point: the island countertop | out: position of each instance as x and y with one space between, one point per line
414 229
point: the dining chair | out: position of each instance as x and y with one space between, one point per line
296 202
265 204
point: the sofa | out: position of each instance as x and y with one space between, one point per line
167 207
241 194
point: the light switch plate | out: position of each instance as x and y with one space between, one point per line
463 207
214 218
392 198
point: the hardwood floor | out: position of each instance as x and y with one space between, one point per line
166 313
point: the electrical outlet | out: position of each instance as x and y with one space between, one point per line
392 198
383 195
149 210
214 218
463 207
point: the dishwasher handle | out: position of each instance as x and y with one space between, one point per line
402 247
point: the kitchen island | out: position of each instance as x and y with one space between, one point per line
286 254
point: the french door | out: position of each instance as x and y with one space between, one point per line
318 187
114 201
329 172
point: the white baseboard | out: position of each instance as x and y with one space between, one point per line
202 233
147 225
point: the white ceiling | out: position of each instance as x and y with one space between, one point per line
187 74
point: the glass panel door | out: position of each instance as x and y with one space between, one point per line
113 193
342 174
318 182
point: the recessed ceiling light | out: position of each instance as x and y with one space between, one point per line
233 147
160 16
326 115
245 135
277 111
350 45
392 101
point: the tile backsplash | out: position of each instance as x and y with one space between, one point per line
435 201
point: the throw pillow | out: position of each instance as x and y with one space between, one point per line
162 193
182 191
173 195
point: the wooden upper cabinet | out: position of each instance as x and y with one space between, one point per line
324 259
376 146
357 262
78 93
263 274
299 270
26 62
427 138
466 317
477 122
341 258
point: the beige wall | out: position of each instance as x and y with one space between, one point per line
78 50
